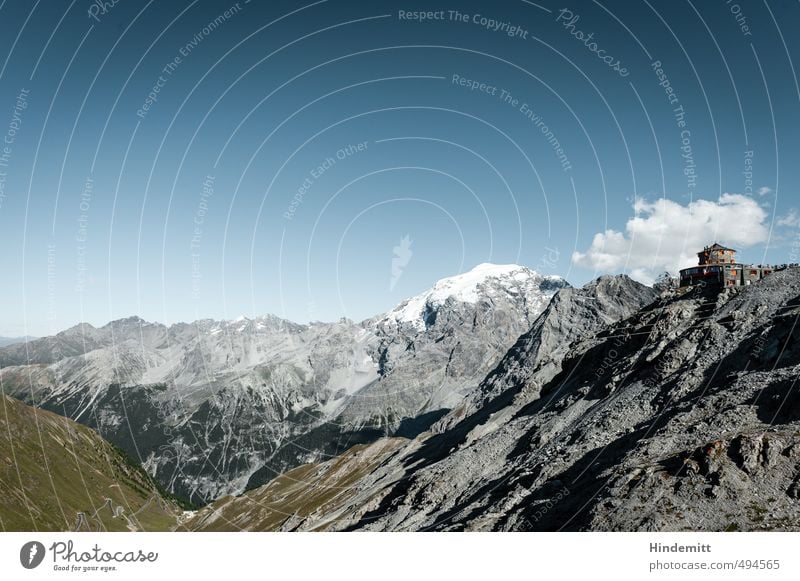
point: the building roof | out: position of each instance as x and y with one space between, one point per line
717 246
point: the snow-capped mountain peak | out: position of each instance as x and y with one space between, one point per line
486 280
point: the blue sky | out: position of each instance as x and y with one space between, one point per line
184 160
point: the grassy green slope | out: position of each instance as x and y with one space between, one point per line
57 475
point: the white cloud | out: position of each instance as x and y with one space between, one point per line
791 219
764 190
665 235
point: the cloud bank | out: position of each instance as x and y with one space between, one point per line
665 235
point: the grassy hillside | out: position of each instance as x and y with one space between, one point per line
307 494
56 475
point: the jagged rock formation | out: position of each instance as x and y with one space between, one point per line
680 414
216 407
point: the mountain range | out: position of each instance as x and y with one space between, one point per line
619 410
498 400
216 407
5 341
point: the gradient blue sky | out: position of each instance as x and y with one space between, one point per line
258 103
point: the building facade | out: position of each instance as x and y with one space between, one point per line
716 254
716 265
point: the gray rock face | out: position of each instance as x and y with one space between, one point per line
681 414
572 316
214 407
